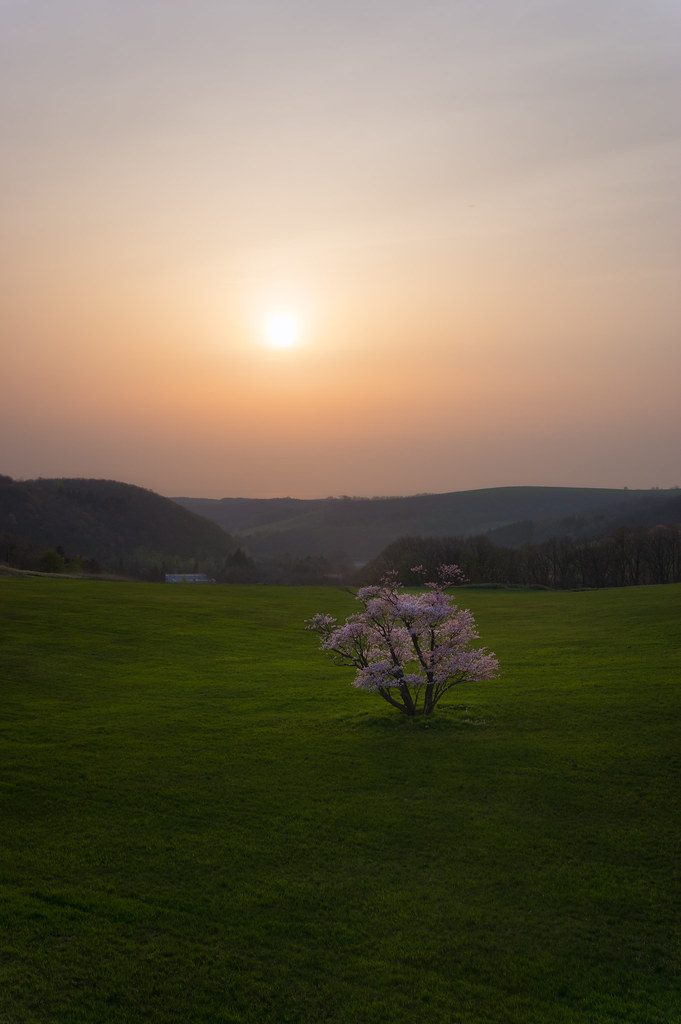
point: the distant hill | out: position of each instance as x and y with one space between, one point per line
355 530
121 527
131 530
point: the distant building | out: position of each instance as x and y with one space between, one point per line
187 577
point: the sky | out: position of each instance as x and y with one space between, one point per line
466 216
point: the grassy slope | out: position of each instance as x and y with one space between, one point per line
202 821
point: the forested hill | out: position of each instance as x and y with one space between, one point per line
354 530
120 527
126 529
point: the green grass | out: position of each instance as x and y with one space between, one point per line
201 821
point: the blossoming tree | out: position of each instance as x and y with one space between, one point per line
409 648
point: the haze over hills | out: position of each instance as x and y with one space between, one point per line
355 530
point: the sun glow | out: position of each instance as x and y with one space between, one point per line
282 330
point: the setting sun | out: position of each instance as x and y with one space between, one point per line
282 330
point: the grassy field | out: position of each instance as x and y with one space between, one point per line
201 821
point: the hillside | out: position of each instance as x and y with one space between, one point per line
121 527
354 530
128 529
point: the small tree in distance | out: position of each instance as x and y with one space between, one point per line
408 648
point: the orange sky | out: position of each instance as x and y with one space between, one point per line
471 209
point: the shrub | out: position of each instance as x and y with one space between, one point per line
408 648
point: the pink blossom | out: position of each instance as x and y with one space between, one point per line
410 648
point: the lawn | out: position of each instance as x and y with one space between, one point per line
202 821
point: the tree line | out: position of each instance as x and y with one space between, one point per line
631 556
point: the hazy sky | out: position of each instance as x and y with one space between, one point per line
471 210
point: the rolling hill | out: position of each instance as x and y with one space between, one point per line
131 530
122 527
354 530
